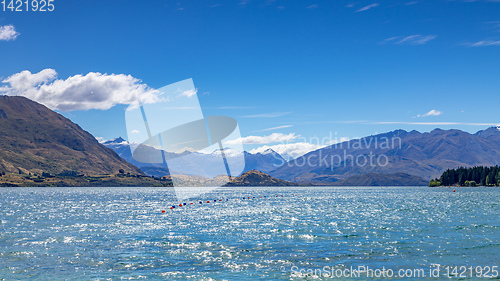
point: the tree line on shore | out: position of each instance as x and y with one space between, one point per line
475 176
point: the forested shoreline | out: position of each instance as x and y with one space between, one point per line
475 176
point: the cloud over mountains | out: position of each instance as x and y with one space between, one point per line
93 90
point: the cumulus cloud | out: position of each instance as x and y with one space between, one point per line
289 151
8 32
290 146
80 92
411 40
365 8
431 113
189 93
272 138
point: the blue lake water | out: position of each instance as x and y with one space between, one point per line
113 233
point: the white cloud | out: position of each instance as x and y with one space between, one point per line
416 39
485 43
267 115
8 32
368 7
134 132
437 123
189 93
411 40
25 80
314 6
80 92
275 128
430 113
287 148
413 123
233 107
272 138
289 151
182 107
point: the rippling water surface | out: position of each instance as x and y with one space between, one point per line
113 233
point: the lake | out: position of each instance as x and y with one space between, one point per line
304 233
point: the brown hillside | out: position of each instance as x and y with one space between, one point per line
36 139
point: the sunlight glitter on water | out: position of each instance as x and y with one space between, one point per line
100 233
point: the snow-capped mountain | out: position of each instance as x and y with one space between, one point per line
265 161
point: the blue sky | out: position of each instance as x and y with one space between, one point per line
307 68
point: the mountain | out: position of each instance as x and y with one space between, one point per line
257 178
35 139
265 161
492 134
122 148
426 155
374 179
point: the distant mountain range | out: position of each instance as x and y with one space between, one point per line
35 139
426 155
381 159
265 161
